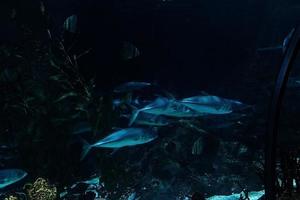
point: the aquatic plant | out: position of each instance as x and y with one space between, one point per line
43 96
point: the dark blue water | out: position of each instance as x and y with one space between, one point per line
186 48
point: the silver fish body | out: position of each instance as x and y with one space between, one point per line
127 137
11 176
166 107
211 104
122 138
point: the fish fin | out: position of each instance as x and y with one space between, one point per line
85 149
226 108
134 115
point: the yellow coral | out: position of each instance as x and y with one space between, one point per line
41 190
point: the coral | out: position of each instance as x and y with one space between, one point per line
41 190
11 198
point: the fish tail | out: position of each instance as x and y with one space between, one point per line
133 117
85 149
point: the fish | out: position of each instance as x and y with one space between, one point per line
92 181
198 146
7 157
70 24
132 196
126 100
166 107
11 176
129 51
213 104
293 82
256 195
151 120
122 138
131 86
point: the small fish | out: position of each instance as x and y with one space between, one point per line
129 51
42 7
7 157
132 196
70 24
92 181
166 107
122 138
212 104
7 147
123 101
252 195
131 86
11 176
198 146
293 82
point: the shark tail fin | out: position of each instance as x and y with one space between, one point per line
85 149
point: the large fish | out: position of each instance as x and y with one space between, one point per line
212 104
122 138
166 107
11 176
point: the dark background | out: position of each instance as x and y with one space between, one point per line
186 45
